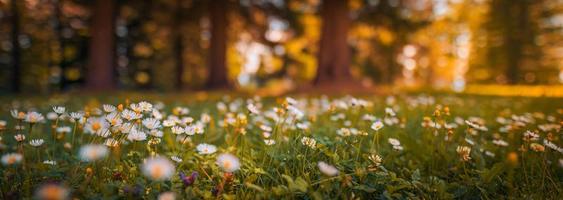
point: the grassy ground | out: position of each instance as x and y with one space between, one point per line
451 146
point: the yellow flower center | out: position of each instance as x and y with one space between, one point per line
157 172
96 126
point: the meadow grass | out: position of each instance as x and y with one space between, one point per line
410 146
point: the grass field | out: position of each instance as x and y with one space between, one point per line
416 146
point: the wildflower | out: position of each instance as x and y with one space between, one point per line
252 109
76 115
167 196
3 124
52 192
33 117
156 133
375 159
228 162
530 136
474 125
368 117
110 142
537 147
490 154
52 116
463 152
63 129
93 152
303 125
344 132
50 162
109 108
327 169
389 111
512 158
59 109
176 159
269 142
266 128
145 106
375 162
377 125
310 142
205 149
188 180
500 142
553 146
96 125
151 123
125 127
11 158
294 111
290 101
179 111
36 142
205 118
158 168
136 135
17 114
19 137
67 145
394 142
177 130
130 115
198 128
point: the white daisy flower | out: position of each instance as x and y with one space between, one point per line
109 108
177 130
327 169
176 159
59 109
136 135
228 162
158 168
269 142
19 137
377 125
33 117
11 158
204 148
252 109
36 142
50 162
151 123
93 152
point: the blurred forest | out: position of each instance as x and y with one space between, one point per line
49 46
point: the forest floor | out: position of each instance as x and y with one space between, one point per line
432 145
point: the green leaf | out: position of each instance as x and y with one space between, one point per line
254 187
365 188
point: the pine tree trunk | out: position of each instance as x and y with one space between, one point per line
16 51
334 53
179 45
217 71
100 72
60 40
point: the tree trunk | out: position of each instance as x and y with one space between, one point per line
100 72
515 37
334 53
16 53
179 45
60 40
217 72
